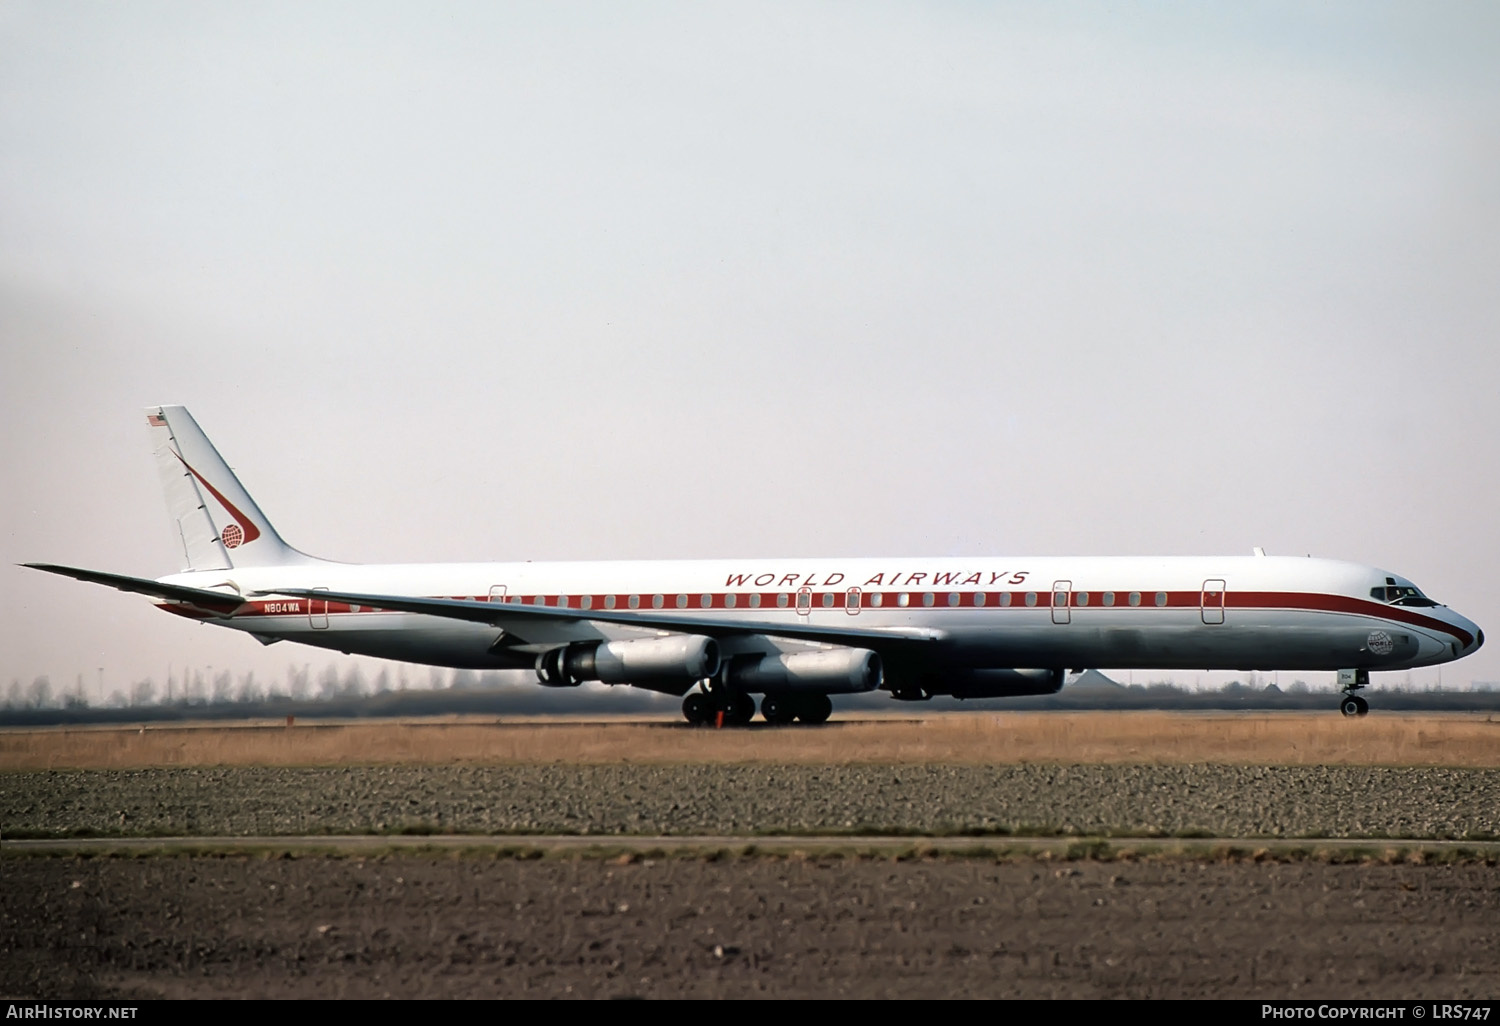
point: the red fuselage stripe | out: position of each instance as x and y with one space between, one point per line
1082 603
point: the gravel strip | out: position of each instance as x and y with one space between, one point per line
1207 800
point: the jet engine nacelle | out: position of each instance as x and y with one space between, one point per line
997 683
837 671
679 657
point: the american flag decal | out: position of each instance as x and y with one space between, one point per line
156 420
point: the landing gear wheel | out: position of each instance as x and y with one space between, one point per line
777 710
814 709
697 709
741 710
1351 682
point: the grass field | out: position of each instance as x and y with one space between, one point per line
1283 739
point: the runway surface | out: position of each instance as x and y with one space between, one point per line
445 925
740 845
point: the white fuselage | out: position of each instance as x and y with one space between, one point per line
1242 613
793 630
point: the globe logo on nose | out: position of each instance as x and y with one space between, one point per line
233 536
1380 643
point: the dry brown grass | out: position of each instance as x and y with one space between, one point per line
972 738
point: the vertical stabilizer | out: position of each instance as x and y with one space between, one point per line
216 522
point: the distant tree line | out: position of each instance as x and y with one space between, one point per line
199 695
199 688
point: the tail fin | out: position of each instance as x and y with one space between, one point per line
216 521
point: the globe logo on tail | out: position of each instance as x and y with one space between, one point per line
243 530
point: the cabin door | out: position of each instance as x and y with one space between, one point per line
1213 601
1062 592
317 612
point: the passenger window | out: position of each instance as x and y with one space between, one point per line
1031 598
953 598
876 599
1083 598
635 602
979 598
781 600
904 599
587 602
755 600
927 598
708 601
729 601
1109 598
828 600
1005 598
1135 598
1161 598
657 601
681 601
609 602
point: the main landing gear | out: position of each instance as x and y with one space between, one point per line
704 708
1351 681
783 709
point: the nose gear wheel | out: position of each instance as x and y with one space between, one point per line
1354 680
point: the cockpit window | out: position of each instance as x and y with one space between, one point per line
1400 595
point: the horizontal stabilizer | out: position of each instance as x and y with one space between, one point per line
498 613
213 601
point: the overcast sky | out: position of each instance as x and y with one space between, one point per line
584 281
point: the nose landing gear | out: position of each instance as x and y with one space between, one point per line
1351 681
1353 705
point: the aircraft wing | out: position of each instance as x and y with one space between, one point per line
219 602
504 614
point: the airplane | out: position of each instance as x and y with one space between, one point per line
792 631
